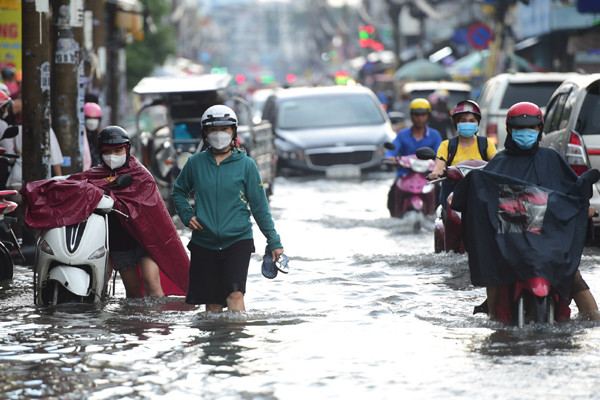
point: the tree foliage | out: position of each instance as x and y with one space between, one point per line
157 45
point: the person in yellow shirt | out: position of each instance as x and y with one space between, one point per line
466 146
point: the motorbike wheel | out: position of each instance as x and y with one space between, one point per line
6 263
531 308
54 293
438 246
521 312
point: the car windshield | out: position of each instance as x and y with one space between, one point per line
535 92
329 111
455 95
588 121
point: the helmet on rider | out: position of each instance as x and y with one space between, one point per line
466 107
219 116
524 122
4 99
92 113
420 106
524 114
114 137
5 106
92 110
4 88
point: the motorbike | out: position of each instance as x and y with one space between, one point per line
412 191
529 301
447 225
71 262
8 239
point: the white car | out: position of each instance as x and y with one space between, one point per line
504 90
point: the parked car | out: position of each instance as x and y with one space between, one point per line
572 126
502 91
169 130
336 130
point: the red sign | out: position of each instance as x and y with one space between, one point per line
480 35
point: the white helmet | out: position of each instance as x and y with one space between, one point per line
219 115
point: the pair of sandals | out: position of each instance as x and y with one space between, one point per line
270 268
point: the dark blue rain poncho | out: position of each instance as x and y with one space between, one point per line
524 215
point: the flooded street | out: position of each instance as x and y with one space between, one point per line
367 311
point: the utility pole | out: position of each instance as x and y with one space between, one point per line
67 92
114 72
94 45
36 90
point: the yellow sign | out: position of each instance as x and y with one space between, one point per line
10 37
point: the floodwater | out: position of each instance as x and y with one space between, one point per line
367 311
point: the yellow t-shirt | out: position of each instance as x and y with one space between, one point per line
466 153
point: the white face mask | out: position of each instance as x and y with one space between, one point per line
91 124
114 161
219 140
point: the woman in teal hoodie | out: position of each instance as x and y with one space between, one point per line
227 189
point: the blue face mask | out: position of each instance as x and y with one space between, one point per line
525 138
467 129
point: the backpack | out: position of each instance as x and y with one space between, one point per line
453 147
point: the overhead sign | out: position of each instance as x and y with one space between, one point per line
480 35
588 6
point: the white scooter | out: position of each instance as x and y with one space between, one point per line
71 262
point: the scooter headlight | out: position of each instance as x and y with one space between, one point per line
99 253
45 247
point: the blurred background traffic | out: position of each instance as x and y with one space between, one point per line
128 54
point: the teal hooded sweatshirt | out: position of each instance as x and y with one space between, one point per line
225 196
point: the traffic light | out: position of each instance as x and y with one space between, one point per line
366 38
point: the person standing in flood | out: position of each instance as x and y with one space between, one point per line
227 190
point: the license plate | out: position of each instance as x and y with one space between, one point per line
343 171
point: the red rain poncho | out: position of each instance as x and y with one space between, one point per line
53 203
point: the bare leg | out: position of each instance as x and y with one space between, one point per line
235 302
586 304
492 299
131 281
214 308
151 277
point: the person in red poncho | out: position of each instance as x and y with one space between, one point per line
147 238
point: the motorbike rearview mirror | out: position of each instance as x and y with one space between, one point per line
389 146
594 175
425 153
10 132
122 181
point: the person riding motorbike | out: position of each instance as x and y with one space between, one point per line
408 140
523 159
440 113
466 117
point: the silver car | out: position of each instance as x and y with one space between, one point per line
504 90
336 130
572 126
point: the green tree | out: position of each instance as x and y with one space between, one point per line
159 42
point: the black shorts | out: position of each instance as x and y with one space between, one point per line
215 274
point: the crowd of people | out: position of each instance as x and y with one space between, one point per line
522 158
228 190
